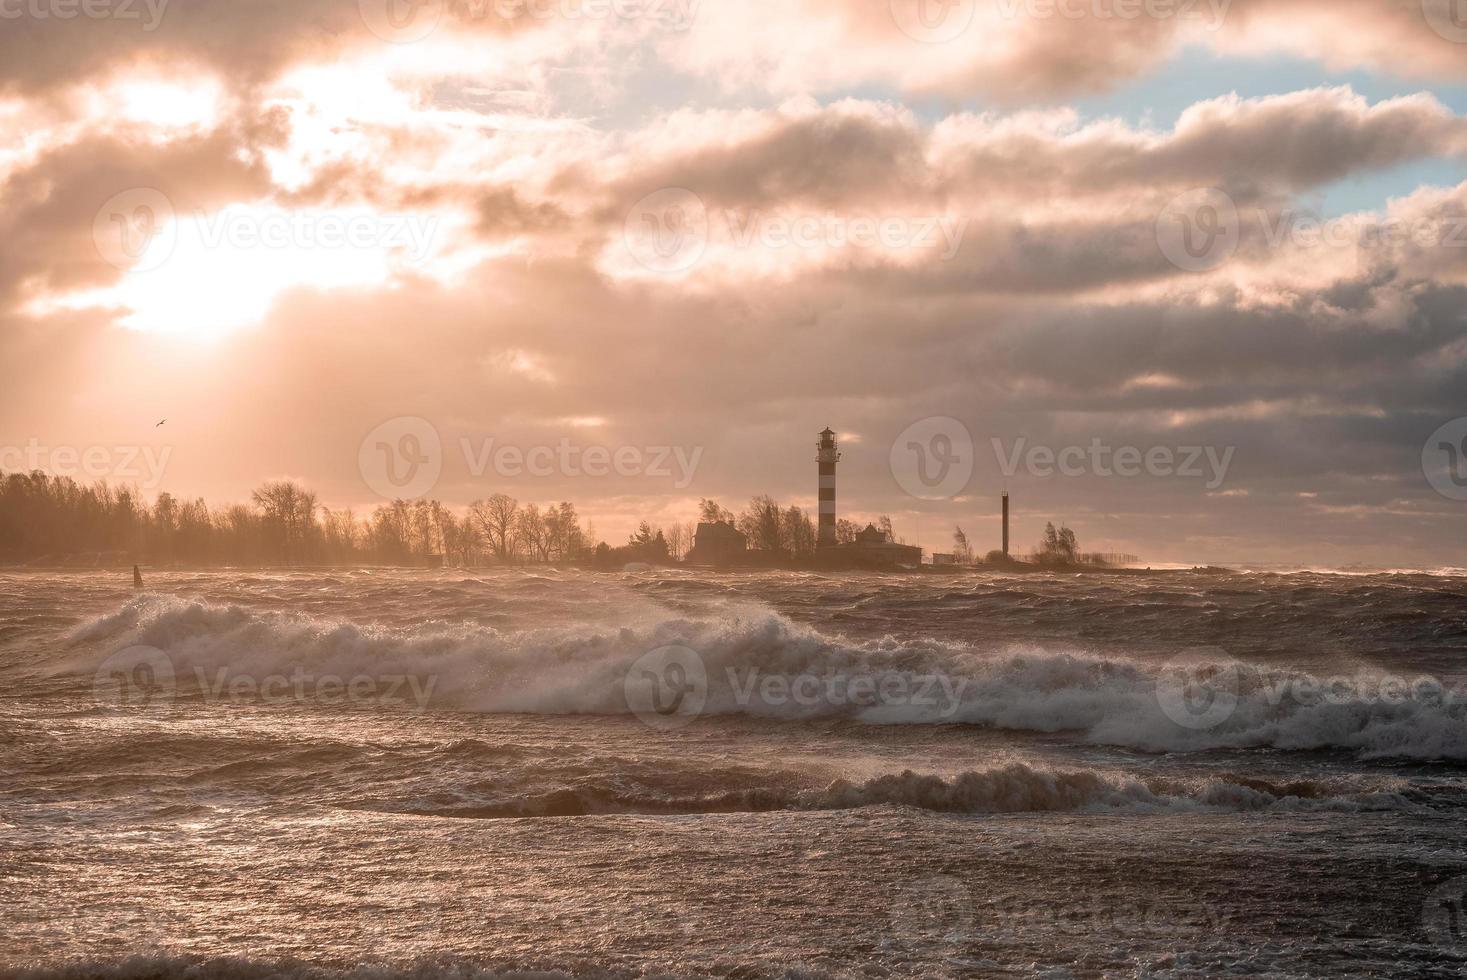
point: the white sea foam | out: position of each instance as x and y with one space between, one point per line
580 669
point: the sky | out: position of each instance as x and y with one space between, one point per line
1185 276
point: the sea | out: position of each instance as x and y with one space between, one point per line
545 773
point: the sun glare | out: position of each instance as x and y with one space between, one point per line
210 273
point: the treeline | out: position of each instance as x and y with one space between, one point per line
55 518
788 532
43 516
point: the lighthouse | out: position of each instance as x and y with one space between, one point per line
827 457
1005 523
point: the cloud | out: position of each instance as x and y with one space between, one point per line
1015 51
1042 304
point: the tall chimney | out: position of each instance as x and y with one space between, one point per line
827 457
1005 523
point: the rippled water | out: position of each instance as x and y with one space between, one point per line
498 772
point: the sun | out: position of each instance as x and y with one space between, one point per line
207 274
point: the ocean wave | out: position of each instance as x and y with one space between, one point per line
1013 788
753 662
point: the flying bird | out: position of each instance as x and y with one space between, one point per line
160 423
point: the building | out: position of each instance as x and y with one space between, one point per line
718 543
940 559
826 457
874 548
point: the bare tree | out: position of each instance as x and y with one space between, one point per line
289 511
676 546
496 520
572 540
469 540
341 534
423 526
531 531
563 536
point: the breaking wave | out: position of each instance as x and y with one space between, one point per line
753 662
1013 788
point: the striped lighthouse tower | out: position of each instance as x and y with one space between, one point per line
827 457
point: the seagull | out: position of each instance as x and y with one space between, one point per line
160 423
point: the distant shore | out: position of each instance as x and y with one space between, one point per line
1017 568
